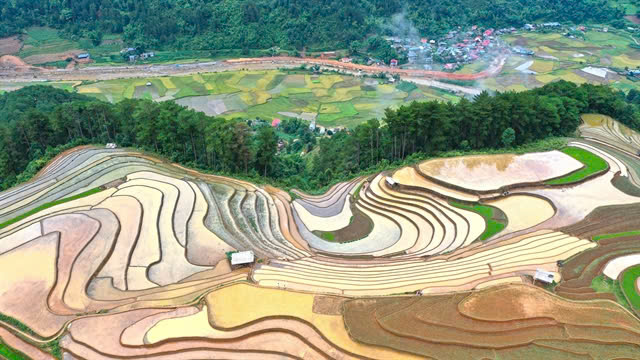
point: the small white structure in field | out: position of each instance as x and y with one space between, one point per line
390 181
544 276
111 146
242 257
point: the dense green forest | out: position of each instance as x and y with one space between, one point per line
39 121
261 24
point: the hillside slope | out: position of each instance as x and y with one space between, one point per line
238 24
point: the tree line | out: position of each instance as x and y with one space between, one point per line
488 122
261 24
178 133
36 119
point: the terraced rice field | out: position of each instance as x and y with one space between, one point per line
506 322
123 255
490 173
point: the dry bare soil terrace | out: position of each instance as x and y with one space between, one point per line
123 255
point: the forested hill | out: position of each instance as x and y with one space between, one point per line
41 121
244 24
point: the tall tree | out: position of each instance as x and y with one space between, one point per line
266 147
241 146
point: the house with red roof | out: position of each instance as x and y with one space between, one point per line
275 122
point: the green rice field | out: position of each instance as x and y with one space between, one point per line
602 284
628 282
48 205
560 57
42 40
330 99
592 164
10 353
494 224
616 235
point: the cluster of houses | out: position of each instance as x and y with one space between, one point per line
522 51
456 48
464 46
323 130
133 55
633 73
569 31
543 26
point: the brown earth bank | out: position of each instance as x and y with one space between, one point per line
510 322
360 226
633 18
44 58
10 45
606 220
578 272
625 185
12 62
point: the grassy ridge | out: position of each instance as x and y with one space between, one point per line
593 164
487 212
48 205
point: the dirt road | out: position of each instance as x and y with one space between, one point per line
493 69
28 74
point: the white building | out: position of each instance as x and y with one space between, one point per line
544 276
242 257
390 181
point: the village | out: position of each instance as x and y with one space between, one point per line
462 47
451 52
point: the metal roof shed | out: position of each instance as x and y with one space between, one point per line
242 257
390 181
544 276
